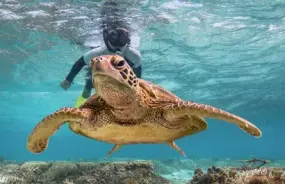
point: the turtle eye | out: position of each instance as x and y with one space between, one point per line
118 64
121 63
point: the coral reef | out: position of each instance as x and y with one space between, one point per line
216 175
132 171
136 172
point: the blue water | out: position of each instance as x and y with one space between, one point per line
229 54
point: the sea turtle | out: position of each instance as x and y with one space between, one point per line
129 110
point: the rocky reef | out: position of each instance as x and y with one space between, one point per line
129 171
135 172
216 175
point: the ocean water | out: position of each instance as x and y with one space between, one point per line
228 54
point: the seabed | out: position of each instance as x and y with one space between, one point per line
129 171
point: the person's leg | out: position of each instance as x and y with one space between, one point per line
87 89
88 84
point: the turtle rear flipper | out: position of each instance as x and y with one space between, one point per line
38 139
183 108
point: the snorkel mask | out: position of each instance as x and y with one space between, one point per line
118 37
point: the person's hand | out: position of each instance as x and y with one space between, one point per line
65 84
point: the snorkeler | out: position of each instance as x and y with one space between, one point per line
117 41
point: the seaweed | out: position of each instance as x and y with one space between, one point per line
251 164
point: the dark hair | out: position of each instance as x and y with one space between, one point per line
118 37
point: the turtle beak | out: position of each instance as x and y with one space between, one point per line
98 65
107 65
102 65
93 61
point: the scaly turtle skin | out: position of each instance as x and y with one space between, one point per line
128 110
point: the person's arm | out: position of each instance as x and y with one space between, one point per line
78 65
82 61
75 69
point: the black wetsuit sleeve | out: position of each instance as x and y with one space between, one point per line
78 65
138 71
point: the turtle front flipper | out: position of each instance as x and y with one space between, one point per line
183 108
38 139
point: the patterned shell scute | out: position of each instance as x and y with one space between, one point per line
155 96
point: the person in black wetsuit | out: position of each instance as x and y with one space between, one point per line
117 41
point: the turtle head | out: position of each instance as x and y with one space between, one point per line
114 80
